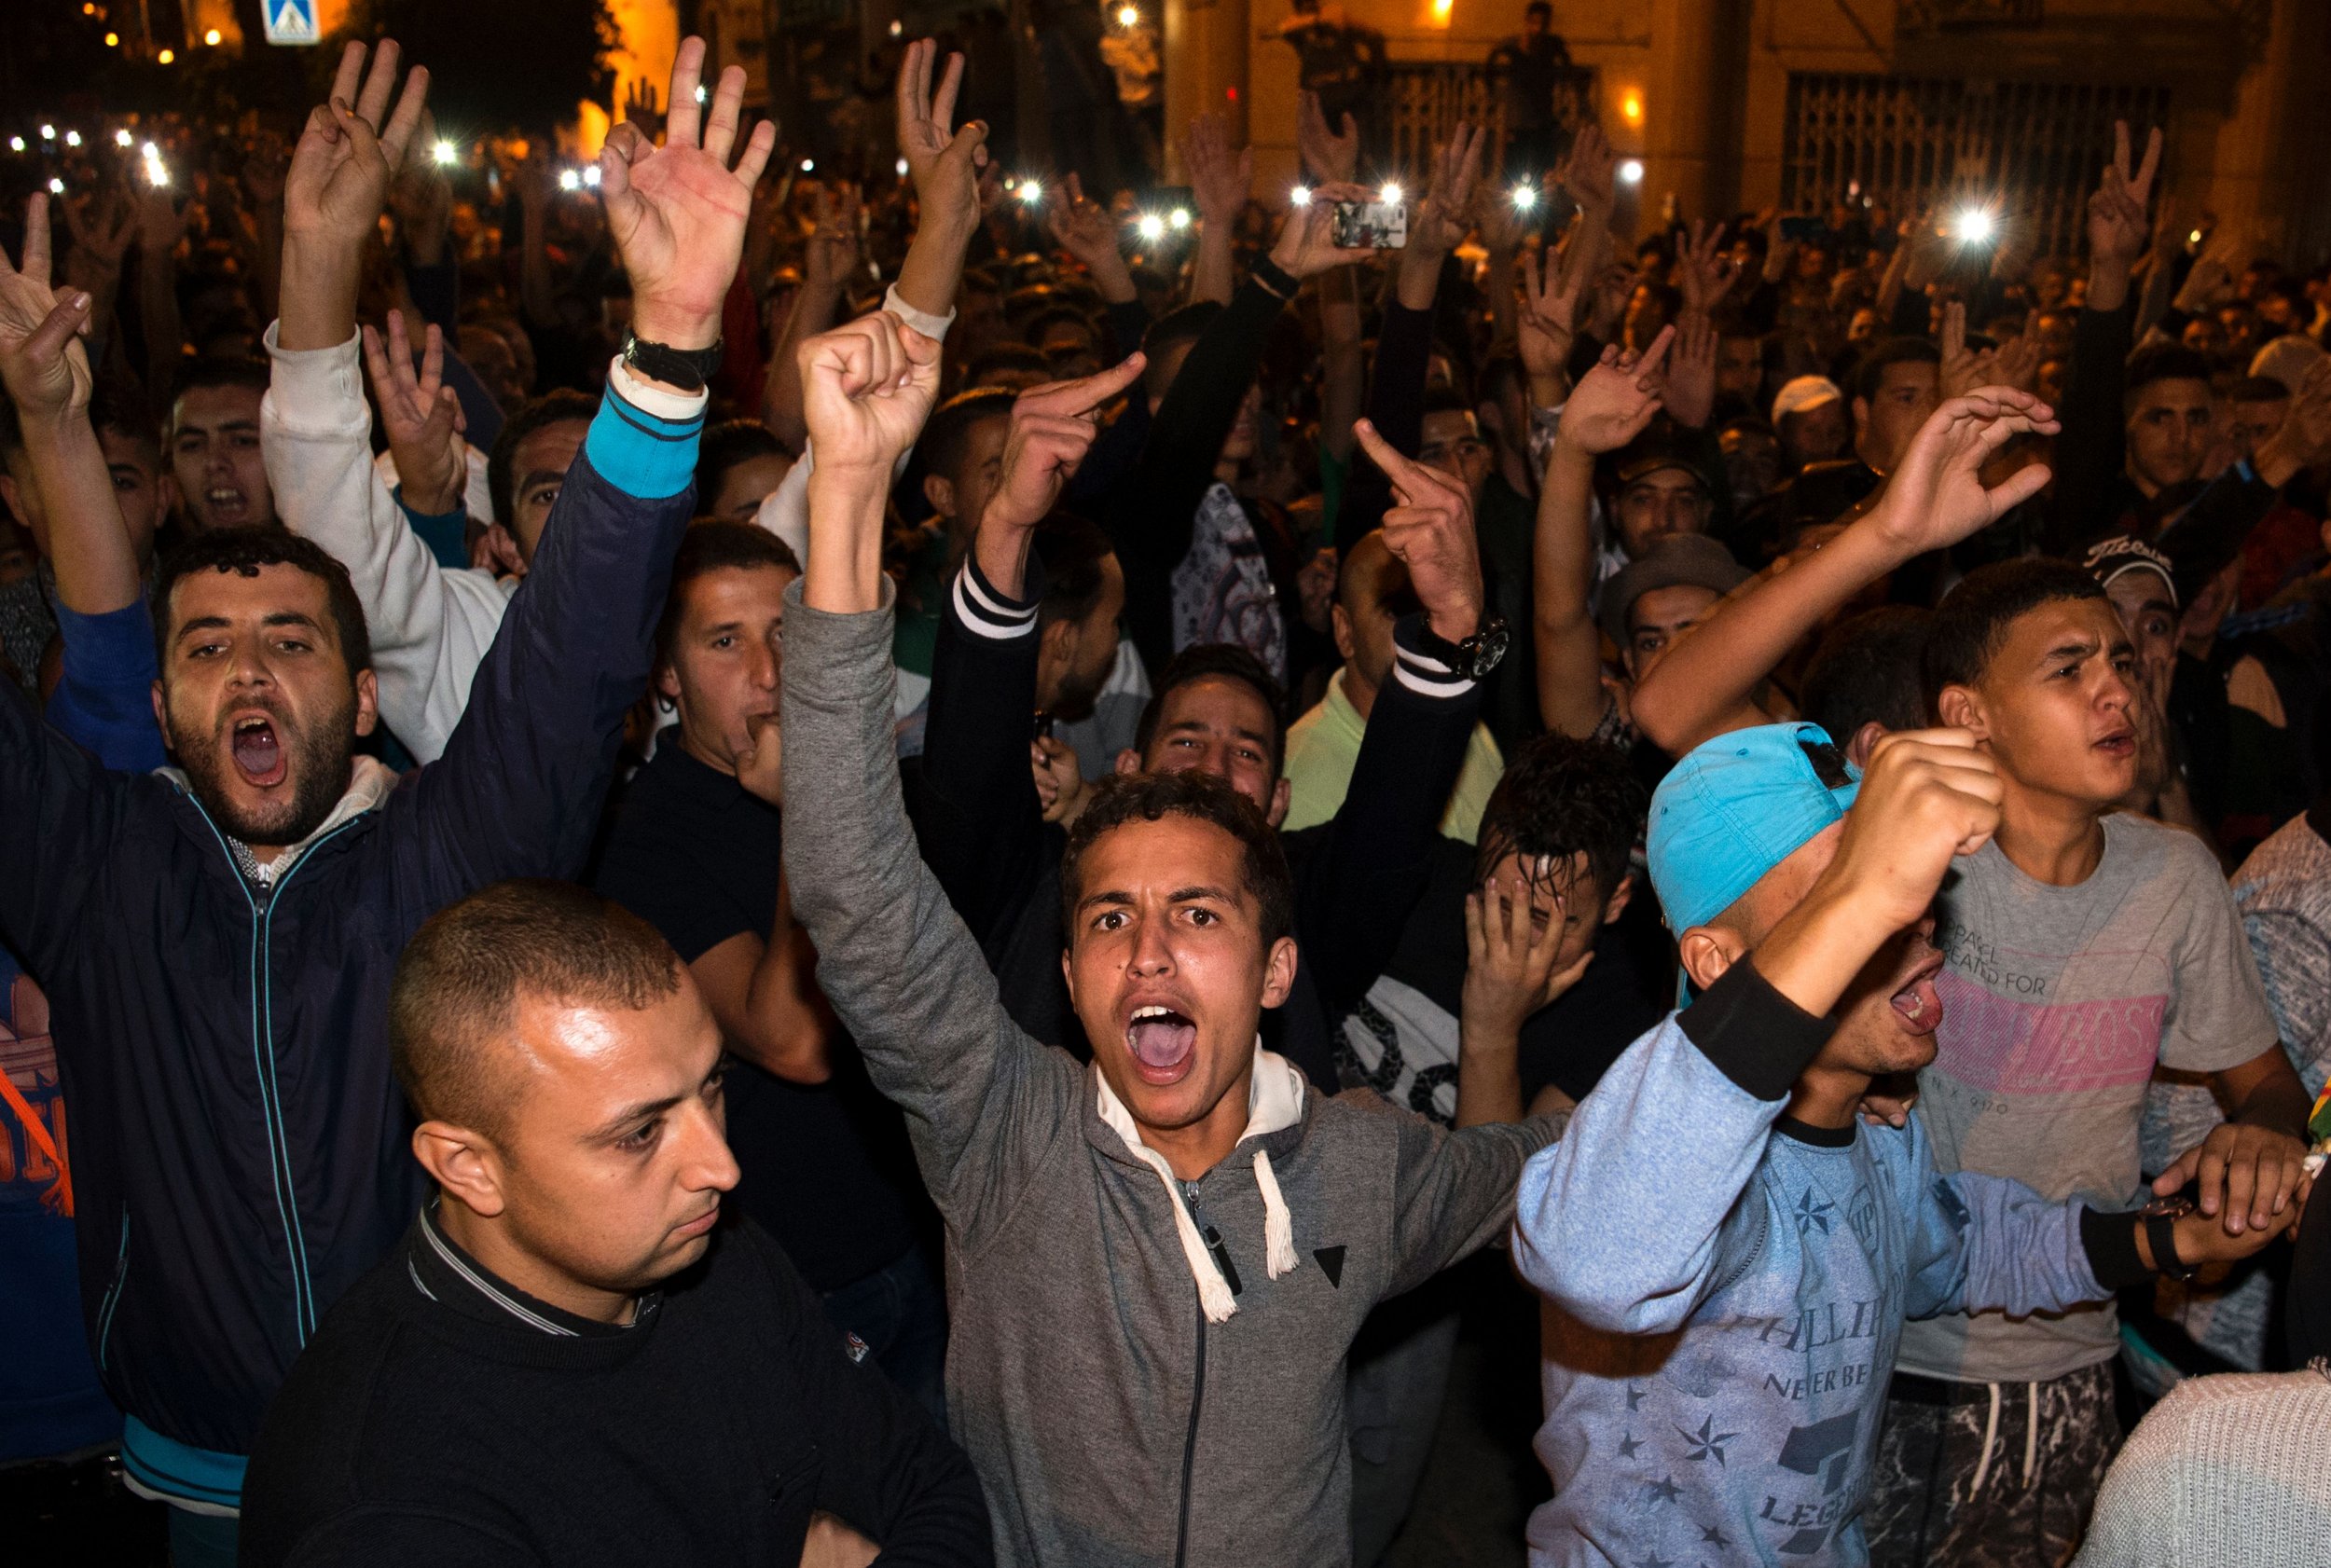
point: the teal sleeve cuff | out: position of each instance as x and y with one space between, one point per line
639 453
446 535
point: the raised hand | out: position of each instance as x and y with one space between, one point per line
339 173
1691 393
1053 427
1613 402
2117 231
639 108
1061 790
1328 154
1589 173
1549 307
678 212
42 360
831 255
946 163
867 386
102 225
1936 496
420 416
1307 244
1219 179
1431 531
1084 229
1926 797
1704 270
1439 223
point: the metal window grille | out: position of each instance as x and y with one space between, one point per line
2032 148
1425 99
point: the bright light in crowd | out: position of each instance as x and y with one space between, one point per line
56 188
112 39
1300 196
1390 193
446 153
1631 106
1128 16
704 94
48 133
2195 237
591 175
213 37
16 144
1631 171
1441 10
1031 192
1973 226
71 138
1524 197
809 165
121 138
570 180
1178 217
897 28
157 173
167 56
902 167
149 152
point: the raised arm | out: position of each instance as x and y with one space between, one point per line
945 160
517 791
1703 686
904 974
828 262
1714 1078
2088 455
104 699
1220 179
1609 407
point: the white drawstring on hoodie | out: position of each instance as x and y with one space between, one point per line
1274 1100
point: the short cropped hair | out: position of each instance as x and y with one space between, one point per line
456 990
726 445
715 544
949 429
1073 553
552 407
1560 796
1972 622
245 551
1149 797
1871 372
1203 661
225 370
2164 362
1867 670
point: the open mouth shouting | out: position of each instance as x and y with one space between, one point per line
2120 743
259 753
1918 1004
1162 1042
227 505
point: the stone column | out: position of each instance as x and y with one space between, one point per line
1692 106
1205 69
2268 181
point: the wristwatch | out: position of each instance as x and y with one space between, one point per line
2160 1218
688 369
1477 655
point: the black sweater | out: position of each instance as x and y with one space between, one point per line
439 1428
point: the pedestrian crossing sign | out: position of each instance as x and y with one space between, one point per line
290 21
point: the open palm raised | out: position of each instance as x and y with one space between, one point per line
678 212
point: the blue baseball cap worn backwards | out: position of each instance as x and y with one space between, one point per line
1736 806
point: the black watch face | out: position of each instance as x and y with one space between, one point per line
1486 647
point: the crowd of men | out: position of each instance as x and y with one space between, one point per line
721 868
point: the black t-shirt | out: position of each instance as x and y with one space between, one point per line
825 1168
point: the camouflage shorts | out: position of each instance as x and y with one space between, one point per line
1923 1506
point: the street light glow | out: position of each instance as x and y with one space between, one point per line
1631 171
1973 226
1128 16
71 138
446 153
121 138
1031 192
48 133
56 186
16 144
1524 197
809 165
167 56
213 37
1180 218
591 175
570 180
1152 226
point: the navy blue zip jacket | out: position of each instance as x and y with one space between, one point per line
239 1147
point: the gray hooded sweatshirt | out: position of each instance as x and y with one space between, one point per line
1113 1423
